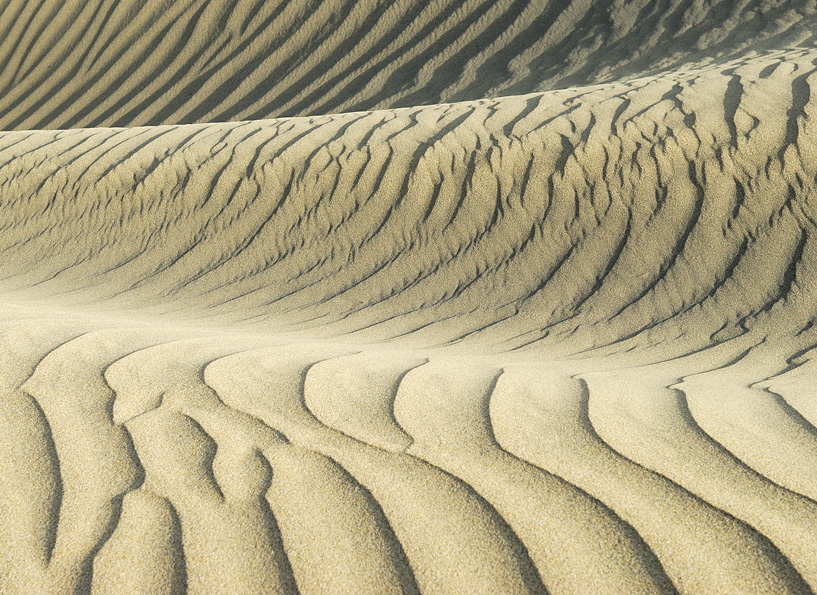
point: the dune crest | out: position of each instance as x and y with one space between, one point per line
398 297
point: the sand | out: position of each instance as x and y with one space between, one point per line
479 297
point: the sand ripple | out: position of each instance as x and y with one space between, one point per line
394 297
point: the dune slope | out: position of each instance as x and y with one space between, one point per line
374 297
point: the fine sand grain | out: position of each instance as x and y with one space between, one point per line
479 297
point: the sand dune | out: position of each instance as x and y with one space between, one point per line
395 297
91 63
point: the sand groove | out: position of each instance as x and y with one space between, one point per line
194 61
393 297
217 463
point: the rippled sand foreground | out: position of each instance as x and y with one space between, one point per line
402 297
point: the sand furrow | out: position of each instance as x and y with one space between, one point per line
451 536
238 60
445 411
271 217
558 437
215 475
145 553
652 425
334 296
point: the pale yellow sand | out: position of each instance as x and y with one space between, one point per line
403 297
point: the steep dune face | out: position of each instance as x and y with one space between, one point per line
616 214
91 63
478 297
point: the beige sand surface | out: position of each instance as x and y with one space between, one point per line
479 297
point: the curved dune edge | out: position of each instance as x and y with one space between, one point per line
95 63
482 335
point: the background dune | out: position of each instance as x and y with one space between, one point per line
374 297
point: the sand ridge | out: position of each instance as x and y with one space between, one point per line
93 63
394 297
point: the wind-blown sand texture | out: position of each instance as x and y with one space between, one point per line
330 296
